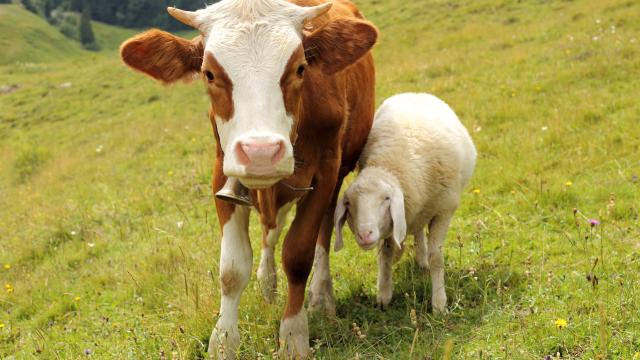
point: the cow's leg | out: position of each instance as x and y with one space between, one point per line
437 234
321 286
422 257
267 278
235 269
297 256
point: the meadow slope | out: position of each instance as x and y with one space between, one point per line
109 240
27 37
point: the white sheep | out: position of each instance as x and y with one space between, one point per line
414 167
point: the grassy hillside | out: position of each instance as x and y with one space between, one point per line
109 241
27 37
110 37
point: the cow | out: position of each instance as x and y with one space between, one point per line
291 85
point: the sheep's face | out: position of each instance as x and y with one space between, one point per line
368 213
372 208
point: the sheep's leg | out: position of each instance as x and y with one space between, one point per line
385 282
437 234
422 257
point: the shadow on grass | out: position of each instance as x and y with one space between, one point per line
391 332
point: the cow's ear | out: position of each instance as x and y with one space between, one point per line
163 56
339 43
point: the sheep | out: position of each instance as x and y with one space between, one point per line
413 170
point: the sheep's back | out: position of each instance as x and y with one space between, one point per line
419 139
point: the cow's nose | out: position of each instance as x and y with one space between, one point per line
259 152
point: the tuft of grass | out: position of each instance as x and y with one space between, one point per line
119 212
28 161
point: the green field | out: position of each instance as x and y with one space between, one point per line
109 242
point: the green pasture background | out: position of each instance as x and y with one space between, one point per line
109 242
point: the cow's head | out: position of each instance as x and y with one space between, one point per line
254 58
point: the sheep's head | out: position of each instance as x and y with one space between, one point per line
374 210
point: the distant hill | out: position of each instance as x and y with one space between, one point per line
109 239
29 38
110 37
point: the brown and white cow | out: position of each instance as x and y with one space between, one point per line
292 101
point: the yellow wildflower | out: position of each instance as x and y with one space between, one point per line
636 356
7 266
476 191
568 184
1 326
170 173
513 192
77 298
561 323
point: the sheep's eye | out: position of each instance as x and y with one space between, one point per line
346 203
209 75
387 198
301 70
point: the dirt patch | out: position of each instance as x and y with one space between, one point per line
8 89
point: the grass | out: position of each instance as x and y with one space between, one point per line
111 240
27 37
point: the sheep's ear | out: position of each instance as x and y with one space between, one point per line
339 218
398 218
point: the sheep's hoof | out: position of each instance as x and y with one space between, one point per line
440 311
439 304
383 301
381 307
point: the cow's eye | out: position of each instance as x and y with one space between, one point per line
346 204
301 70
209 75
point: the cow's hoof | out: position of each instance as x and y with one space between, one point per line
268 283
224 343
294 337
321 297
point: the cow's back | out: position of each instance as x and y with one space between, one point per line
339 8
356 84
